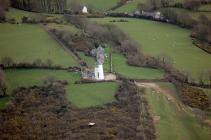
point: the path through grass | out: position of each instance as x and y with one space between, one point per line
174 124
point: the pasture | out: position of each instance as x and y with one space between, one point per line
26 43
174 123
99 5
129 7
172 42
80 95
121 67
205 8
18 14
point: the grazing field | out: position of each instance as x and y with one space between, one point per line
79 95
26 43
18 14
205 8
175 124
121 67
100 5
130 6
160 39
88 95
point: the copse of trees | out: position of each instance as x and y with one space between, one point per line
3 84
4 6
192 4
151 5
50 6
181 19
202 30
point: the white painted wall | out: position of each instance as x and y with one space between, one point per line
99 74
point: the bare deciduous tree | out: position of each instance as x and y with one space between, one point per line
3 85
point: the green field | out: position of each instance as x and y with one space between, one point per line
87 95
175 124
26 43
99 5
79 95
130 6
160 39
18 14
121 67
205 8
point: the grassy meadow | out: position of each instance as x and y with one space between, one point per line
160 39
18 14
121 67
81 95
129 7
174 124
99 5
205 8
26 43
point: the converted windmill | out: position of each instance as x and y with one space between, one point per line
85 10
99 74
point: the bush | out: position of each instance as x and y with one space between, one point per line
192 4
3 85
194 97
7 61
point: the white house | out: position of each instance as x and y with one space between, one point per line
85 10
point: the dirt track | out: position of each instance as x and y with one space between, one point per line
165 92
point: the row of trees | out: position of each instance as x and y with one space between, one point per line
51 6
202 30
8 62
156 4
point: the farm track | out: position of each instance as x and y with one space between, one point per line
61 44
166 93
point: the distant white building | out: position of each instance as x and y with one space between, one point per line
85 10
157 15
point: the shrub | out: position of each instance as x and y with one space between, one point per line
7 61
3 85
194 97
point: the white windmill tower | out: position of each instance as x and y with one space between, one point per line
85 10
99 74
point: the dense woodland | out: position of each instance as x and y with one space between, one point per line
51 6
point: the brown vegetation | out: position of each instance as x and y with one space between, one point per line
3 84
4 6
44 113
192 4
194 97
